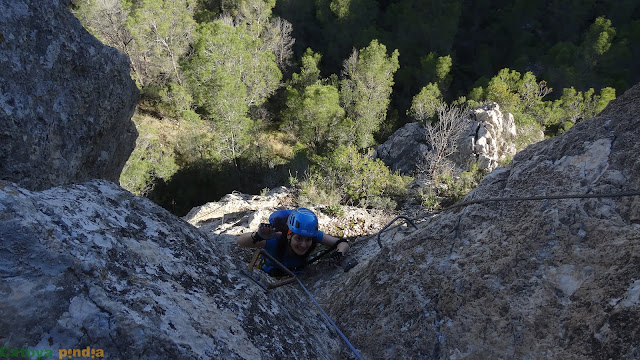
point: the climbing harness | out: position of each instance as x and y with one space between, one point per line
291 278
256 263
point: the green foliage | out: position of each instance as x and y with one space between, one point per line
312 192
105 20
575 106
366 89
597 40
340 8
151 160
162 31
450 189
228 73
334 210
196 144
309 72
357 178
437 70
176 101
217 84
503 89
425 105
522 95
316 118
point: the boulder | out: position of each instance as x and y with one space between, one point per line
66 100
489 138
91 265
405 150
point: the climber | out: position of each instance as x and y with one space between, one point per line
290 237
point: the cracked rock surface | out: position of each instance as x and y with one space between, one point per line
66 99
547 279
92 265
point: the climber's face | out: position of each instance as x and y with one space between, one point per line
300 244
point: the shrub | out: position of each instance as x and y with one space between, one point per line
354 179
151 159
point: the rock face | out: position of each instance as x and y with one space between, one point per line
489 138
66 100
405 150
237 213
551 279
91 265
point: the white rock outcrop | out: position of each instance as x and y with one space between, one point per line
489 139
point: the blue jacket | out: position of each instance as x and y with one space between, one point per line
294 263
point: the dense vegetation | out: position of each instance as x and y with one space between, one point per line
252 94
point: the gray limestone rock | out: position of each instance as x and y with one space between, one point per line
66 100
406 149
91 265
546 279
488 139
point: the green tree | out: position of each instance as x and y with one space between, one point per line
359 179
531 92
316 117
340 8
228 73
309 71
366 88
503 88
437 69
572 102
152 159
578 106
162 31
597 40
106 20
518 94
255 16
425 105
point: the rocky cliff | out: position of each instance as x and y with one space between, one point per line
549 279
66 99
91 265
544 279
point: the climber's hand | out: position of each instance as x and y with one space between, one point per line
265 232
336 258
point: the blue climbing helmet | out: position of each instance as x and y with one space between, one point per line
303 222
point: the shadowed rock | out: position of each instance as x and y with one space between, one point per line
66 100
